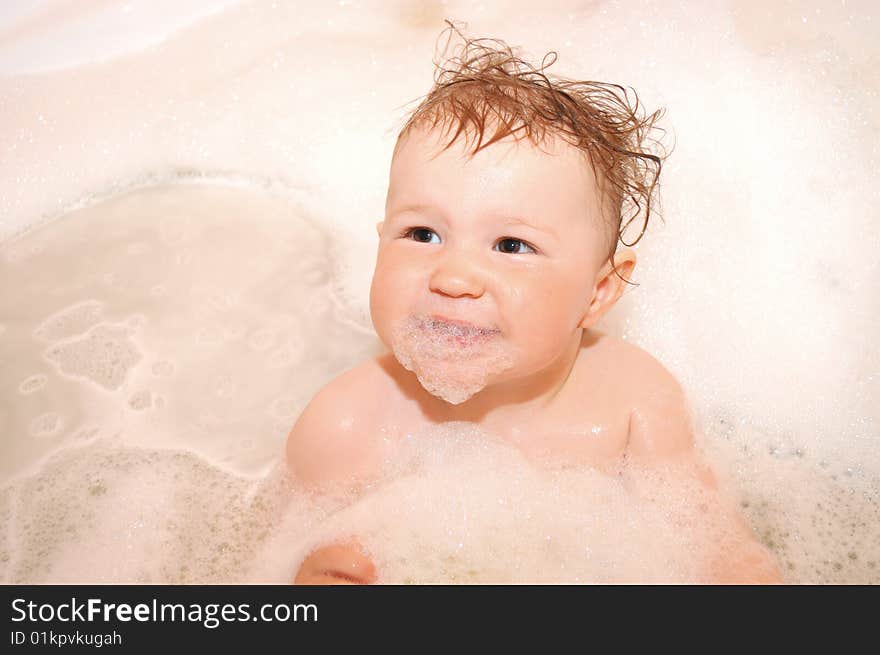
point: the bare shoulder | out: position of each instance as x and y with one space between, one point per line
660 422
333 442
640 370
646 372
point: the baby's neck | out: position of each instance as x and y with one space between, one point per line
501 406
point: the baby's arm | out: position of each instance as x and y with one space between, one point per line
660 432
326 453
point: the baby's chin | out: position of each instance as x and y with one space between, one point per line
445 367
453 389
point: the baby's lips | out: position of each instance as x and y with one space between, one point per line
457 327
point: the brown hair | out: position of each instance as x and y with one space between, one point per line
486 80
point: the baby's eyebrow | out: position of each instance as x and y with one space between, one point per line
411 208
516 220
508 220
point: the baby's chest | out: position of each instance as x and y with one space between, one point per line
588 424
583 437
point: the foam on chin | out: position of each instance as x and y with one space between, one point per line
450 361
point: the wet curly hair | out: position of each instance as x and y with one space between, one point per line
485 84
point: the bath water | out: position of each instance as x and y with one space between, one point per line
157 343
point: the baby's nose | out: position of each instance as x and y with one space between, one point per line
457 274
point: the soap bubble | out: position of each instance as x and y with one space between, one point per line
452 360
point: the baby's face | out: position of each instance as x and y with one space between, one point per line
507 244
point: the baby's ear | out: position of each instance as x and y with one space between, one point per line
609 287
379 227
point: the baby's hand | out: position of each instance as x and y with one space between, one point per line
339 563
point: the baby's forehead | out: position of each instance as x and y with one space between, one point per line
552 161
438 139
548 183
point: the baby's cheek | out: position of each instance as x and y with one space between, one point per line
542 337
381 293
390 299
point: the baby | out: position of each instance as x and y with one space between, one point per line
497 257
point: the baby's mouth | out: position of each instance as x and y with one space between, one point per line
456 331
453 359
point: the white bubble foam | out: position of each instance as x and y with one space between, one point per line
5 532
141 400
451 362
104 355
71 321
105 514
459 505
32 383
45 425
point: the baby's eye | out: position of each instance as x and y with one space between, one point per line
508 245
421 234
513 249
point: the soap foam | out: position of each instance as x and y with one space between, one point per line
71 321
104 355
32 383
6 544
458 505
451 362
141 400
45 425
107 513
